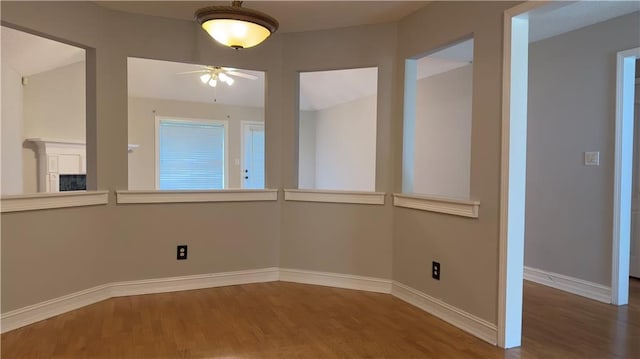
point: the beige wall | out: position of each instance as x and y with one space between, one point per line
11 131
54 109
467 249
343 141
442 153
307 150
50 253
142 122
351 239
54 104
572 110
138 241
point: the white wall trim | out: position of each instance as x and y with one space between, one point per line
456 207
623 173
199 281
573 285
450 314
223 195
36 201
50 308
513 172
315 195
47 309
337 280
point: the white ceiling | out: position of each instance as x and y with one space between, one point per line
324 89
29 54
293 16
564 16
161 79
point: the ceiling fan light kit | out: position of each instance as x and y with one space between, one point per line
236 26
212 76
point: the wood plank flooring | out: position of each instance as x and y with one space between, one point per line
287 320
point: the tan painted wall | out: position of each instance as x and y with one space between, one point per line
355 239
342 140
90 246
138 241
467 249
11 131
442 152
54 109
51 253
569 214
307 150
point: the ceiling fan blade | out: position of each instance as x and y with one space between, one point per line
192 72
242 74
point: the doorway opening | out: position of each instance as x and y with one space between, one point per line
514 170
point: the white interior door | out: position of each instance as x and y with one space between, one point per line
634 260
253 155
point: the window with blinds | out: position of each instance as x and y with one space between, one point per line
191 155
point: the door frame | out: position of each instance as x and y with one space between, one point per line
515 57
623 174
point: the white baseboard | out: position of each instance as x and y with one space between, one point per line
50 308
337 280
47 309
37 312
573 285
200 281
450 314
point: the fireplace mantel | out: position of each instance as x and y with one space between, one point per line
58 157
61 157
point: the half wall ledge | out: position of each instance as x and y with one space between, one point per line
456 207
330 196
225 195
37 201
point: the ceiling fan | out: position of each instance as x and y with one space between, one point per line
212 74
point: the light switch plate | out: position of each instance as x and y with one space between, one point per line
592 158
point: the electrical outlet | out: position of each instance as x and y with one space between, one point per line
181 252
435 270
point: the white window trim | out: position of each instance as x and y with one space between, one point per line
37 201
192 120
225 195
243 126
456 207
332 196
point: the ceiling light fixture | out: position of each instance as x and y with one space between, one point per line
214 75
235 26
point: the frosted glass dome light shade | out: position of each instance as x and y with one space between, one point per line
235 26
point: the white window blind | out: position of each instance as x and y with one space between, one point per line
191 155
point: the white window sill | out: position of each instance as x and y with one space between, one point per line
37 201
456 207
225 195
313 195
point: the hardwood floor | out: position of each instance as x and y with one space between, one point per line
287 320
